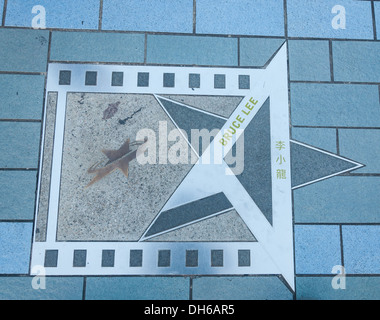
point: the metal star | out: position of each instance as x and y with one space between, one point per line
117 159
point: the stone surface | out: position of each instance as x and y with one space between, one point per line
337 105
320 288
189 213
145 15
361 246
192 50
97 47
256 52
314 19
350 64
21 141
57 288
137 288
32 57
364 151
317 248
69 14
330 201
309 165
43 200
225 227
21 96
265 17
222 106
322 138
309 60
15 243
17 189
240 288
116 207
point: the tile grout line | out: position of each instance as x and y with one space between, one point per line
334 127
335 82
285 5
100 21
4 13
337 142
191 288
84 288
331 61
194 16
373 20
341 245
145 48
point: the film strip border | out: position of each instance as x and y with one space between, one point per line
150 258
150 79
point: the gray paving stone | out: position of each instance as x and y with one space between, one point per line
18 191
21 97
356 61
256 52
15 244
137 288
323 138
145 15
20 143
337 105
330 201
309 60
240 288
97 47
314 19
57 288
320 288
192 50
317 248
260 17
361 248
359 144
23 50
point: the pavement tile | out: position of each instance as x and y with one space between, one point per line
256 52
21 96
20 143
56 288
260 17
15 242
351 64
320 288
137 288
337 105
323 138
240 288
97 47
330 201
317 248
309 60
68 14
361 245
146 15
361 145
313 18
192 50
33 55
17 189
